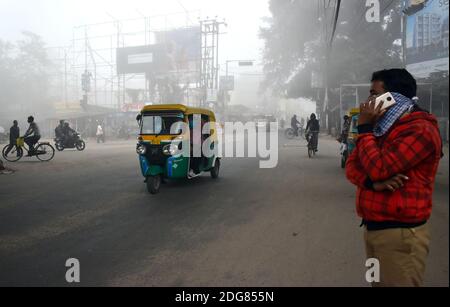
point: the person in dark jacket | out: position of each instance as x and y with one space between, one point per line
313 129
59 131
14 134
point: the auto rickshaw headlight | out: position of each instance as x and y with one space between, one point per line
141 149
171 149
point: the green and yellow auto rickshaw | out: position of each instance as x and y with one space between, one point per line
348 145
353 135
168 144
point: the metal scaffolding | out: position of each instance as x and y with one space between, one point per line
92 52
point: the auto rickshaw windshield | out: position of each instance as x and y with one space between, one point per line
162 124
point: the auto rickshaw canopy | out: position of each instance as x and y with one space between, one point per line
179 107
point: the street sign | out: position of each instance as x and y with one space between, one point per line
227 83
211 96
245 63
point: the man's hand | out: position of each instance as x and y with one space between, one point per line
370 114
392 185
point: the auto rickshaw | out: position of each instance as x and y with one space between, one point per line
349 145
165 144
353 135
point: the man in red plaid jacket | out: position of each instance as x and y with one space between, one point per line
394 167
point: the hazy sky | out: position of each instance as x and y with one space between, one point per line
55 19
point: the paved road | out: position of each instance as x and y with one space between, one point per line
290 226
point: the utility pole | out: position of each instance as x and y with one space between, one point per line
65 78
328 39
210 31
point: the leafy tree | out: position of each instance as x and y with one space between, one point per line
294 45
24 77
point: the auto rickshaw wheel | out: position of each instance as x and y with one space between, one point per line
154 184
215 172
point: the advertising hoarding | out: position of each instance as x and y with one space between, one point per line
184 47
151 59
427 38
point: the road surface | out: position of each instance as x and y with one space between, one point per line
294 225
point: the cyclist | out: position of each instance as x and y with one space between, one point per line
295 124
313 129
32 136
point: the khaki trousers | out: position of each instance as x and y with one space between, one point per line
402 254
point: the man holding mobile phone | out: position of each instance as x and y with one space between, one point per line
394 167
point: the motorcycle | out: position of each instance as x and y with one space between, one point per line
74 141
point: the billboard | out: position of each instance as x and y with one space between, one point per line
184 47
150 59
426 49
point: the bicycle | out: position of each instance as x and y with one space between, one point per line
44 152
312 138
290 133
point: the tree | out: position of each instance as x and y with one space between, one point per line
294 45
24 77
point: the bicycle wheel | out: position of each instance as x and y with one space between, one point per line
290 134
45 152
14 154
311 152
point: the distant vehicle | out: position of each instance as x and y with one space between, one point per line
348 147
75 141
163 155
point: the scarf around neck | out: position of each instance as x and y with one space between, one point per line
403 105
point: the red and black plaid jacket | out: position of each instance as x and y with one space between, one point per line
413 148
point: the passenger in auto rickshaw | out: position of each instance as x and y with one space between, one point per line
197 138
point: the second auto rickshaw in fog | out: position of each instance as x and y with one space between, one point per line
348 145
168 144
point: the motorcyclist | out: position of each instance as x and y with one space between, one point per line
32 136
295 124
68 133
59 131
313 129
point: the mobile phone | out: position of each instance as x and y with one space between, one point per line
388 100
